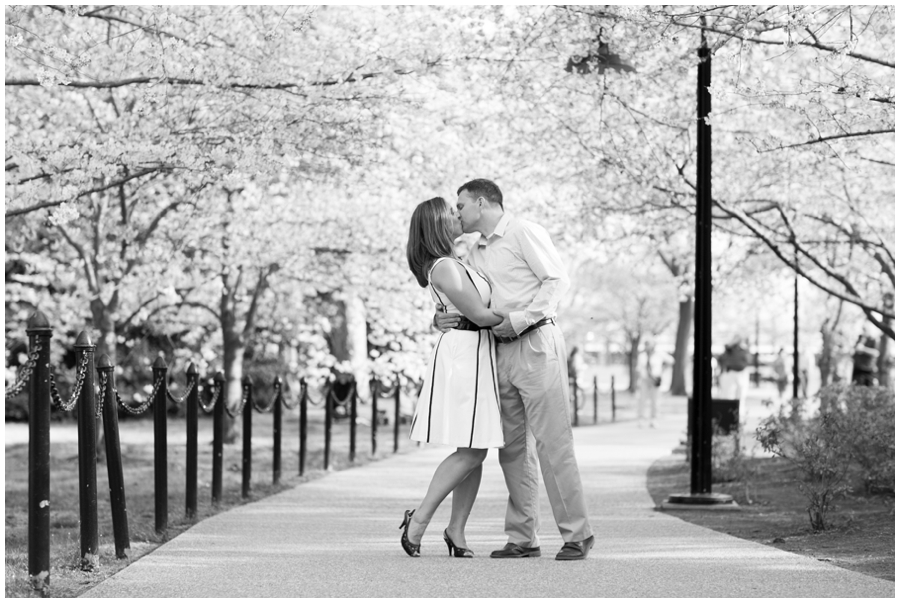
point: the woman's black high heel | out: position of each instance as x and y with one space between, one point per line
457 551
411 549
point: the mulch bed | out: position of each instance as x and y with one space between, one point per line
773 512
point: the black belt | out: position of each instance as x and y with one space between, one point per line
537 325
467 325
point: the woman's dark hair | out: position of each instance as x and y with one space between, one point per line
430 237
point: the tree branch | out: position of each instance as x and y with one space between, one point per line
196 82
46 204
828 138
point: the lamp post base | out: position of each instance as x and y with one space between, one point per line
700 502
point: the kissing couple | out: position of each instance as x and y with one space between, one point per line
497 377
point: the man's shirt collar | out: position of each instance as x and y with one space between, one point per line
499 230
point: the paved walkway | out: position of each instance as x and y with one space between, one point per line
337 537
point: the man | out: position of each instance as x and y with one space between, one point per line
528 281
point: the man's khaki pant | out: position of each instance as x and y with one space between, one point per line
534 402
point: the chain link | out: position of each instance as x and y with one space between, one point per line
180 401
217 391
244 393
143 406
76 393
24 373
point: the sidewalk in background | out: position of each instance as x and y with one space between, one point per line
338 537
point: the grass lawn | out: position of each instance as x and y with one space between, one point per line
773 512
66 580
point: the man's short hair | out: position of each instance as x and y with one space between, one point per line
481 187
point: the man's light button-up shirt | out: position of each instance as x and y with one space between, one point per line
527 276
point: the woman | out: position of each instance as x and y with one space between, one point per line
459 404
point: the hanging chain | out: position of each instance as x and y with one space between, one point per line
76 393
217 391
303 391
381 392
101 398
180 401
320 402
345 400
143 406
268 407
245 393
24 373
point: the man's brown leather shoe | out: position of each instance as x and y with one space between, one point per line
573 551
516 551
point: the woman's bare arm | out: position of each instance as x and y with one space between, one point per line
451 280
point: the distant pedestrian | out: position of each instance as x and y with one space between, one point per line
650 368
781 376
865 361
734 381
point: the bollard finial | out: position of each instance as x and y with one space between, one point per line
245 380
37 321
277 381
83 340
103 362
192 370
159 363
219 376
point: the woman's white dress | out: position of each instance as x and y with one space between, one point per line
459 404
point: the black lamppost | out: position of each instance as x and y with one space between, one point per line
700 412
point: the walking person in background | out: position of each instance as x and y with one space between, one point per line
528 280
781 376
734 380
459 404
865 361
650 368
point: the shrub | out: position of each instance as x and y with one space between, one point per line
816 448
867 417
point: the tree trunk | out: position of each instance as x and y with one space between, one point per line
682 339
632 362
102 316
348 339
233 367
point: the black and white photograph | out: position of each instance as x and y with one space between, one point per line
450 301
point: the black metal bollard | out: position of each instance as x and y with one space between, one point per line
87 456
575 402
596 396
39 334
190 470
612 389
303 403
114 458
218 438
160 444
374 387
397 416
246 457
276 433
354 401
327 454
